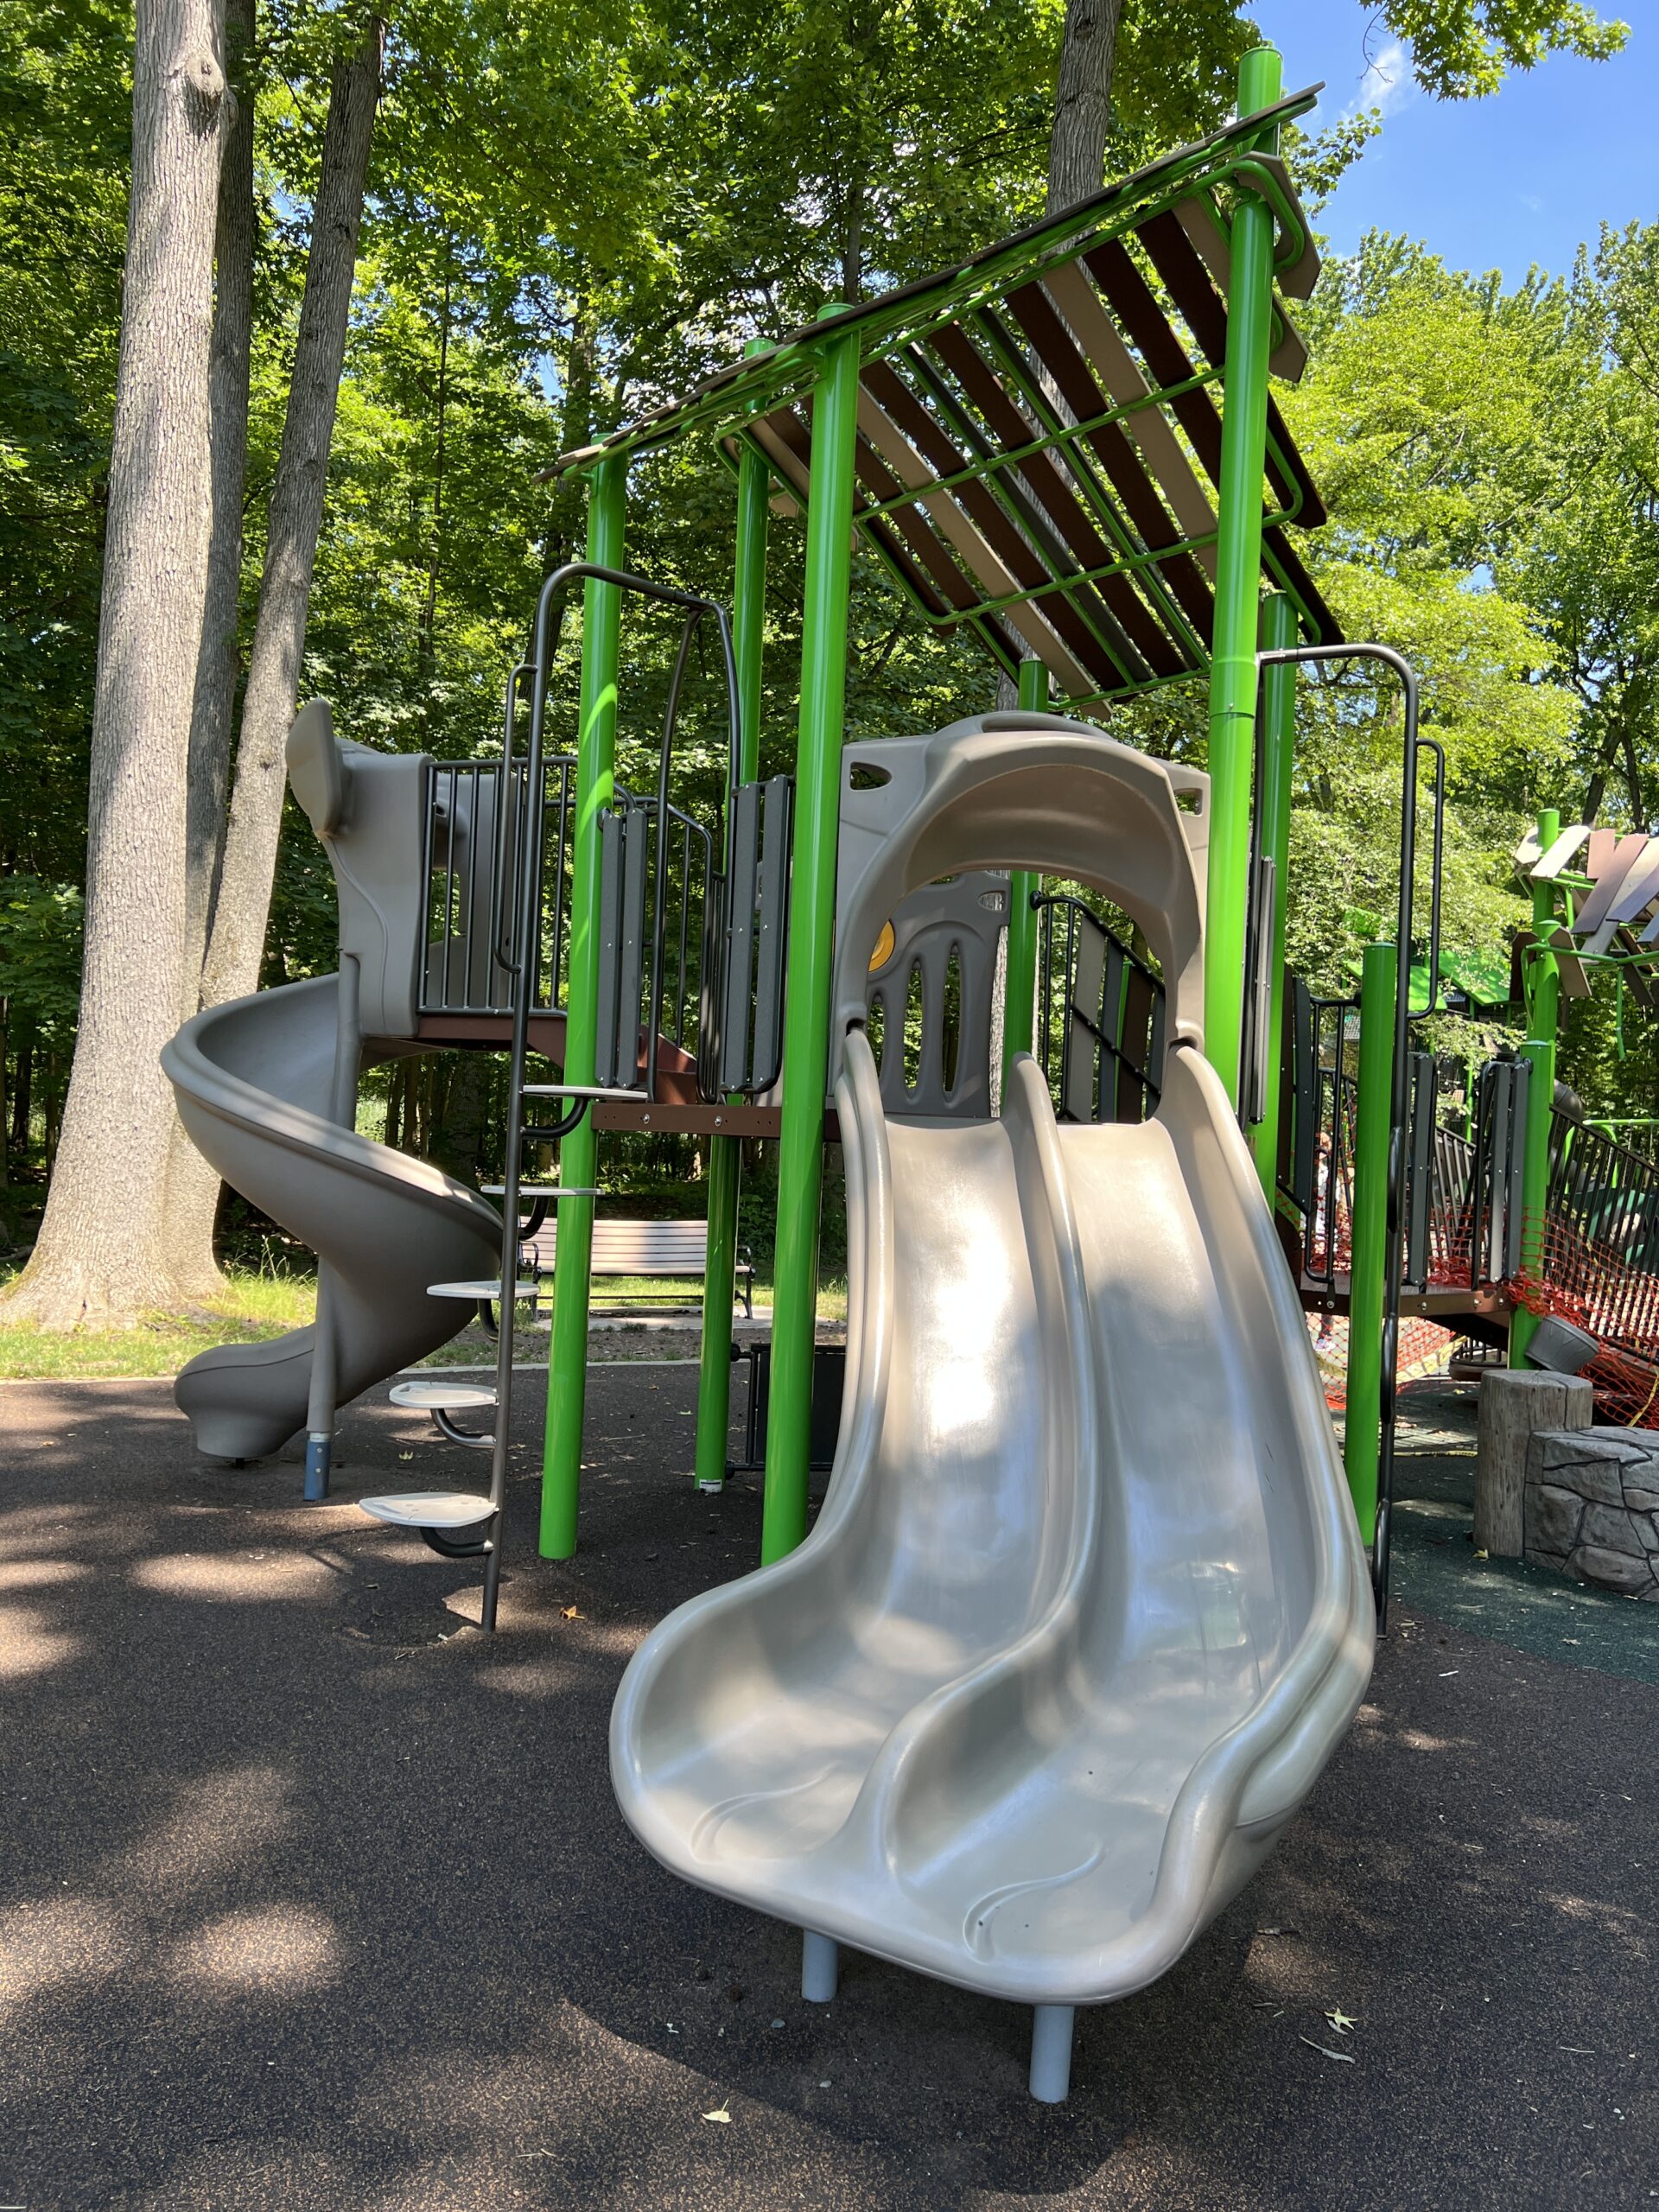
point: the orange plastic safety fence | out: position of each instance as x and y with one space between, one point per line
1603 1286
1424 1349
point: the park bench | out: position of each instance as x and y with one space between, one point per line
658 1252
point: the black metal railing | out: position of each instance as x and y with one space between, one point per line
1460 1218
475 856
676 930
1100 1017
663 909
1323 1071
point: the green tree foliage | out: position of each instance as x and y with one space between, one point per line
1461 49
65 125
575 211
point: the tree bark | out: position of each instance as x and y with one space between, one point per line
103 1255
1083 102
192 1186
242 906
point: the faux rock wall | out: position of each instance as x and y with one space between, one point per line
1592 1507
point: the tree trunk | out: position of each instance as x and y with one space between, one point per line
242 904
103 1253
1596 790
1083 102
192 1186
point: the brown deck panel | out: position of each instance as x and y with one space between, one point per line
926 435
492 1033
1288 358
1078 385
879 479
615 1116
1610 879
1206 317
1162 451
676 1071
1047 486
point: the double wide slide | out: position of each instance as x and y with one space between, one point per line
1086 1608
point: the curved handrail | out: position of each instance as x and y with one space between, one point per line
1293 656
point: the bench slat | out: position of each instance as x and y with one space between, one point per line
651 1249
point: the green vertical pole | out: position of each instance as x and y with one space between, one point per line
1278 754
1238 570
726 1153
811 926
1368 1267
1020 973
567 1366
1543 1023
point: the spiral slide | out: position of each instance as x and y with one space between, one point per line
253 1079
1086 1610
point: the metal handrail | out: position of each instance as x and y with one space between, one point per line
1078 913
1414 745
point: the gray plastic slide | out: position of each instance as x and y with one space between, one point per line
1086 1610
253 1080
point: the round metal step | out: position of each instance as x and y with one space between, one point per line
431 1509
439 1396
475 1291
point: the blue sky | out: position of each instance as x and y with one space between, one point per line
1499 183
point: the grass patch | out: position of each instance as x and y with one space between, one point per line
257 1304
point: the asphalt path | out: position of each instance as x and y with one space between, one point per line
314 1899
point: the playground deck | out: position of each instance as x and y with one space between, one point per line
310 1896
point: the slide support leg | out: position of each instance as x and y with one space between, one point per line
820 1966
1051 2052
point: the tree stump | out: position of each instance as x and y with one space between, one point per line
1513 1405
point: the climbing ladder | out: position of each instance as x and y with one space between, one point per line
690 956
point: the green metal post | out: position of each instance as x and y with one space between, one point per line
1019 973
1278 754
1543 1023
1238 570
1368 1267
726 1153
811 926
567 1366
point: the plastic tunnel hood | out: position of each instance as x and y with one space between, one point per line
251 1079
1056 798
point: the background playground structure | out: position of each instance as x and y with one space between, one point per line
1032 446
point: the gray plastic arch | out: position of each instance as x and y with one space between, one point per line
1011 790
